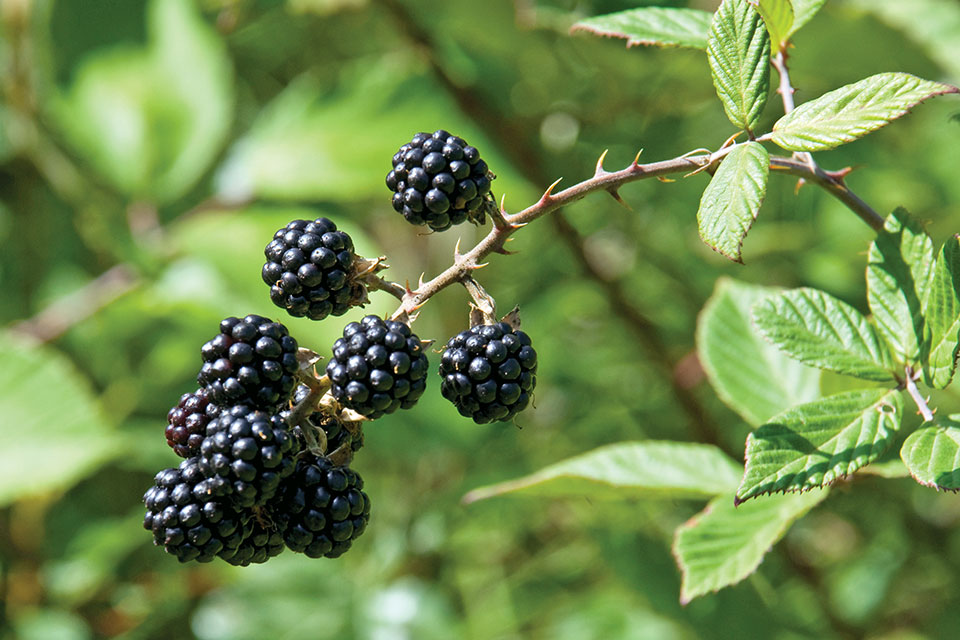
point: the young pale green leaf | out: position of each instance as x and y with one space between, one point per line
778 16
629 469
738 50
899 265
724 544
803 11
932 453
731 201
43 447
660 26
941 312
851 112
816 444
820 330
752 376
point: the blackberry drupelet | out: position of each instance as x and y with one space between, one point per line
250 451
489 372
187 422
337 431
251 361
322 508
310 268
190 516
264 541
377 367
439 180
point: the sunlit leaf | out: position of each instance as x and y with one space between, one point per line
817 443
778 16
738 50
724 544
932 453
899 266
803 11
941 313
822 331
46 445
731 201
661 26
629 469
752 376
851 112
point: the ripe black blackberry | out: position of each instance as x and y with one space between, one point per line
190 516
264 541
322 508
377 367
187 422
250 451
251 361
439 180
310 269
489 372
337 432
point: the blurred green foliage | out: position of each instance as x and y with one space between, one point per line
149 149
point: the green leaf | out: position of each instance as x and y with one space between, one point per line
752 376
819 330
43 446
738 50
851 112
941 311
629 469
778 16
932 453
817 443
731 201
660 26
152 120
803 11
724 544
899 266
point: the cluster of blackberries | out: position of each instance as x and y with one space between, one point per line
249 486
439 180
251 483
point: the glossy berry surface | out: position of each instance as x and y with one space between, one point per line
323 508
249 451
187 422
309 270
190 516
378 366
489 372
263 540
439 180
251 361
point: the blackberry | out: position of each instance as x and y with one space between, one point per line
334 429
322 508
250 451
377 367
439 180
264 541
190 516
309 269
251 361
489 372
187 422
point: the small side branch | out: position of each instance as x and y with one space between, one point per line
919 400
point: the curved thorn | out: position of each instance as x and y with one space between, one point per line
599 171
503 200
549 192
665 179
636 161
456 250
616 196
